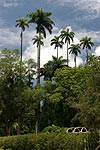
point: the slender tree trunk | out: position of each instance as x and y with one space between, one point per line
21 36
19 115
75 61
29 79
8 128
57 52
19 123
67 55
86 55
37 114
38 63
38 83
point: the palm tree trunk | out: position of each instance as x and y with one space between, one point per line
37 111
57 52
38 63
38 66
8 128
67 55
19 123
86 55
37 115
21 36
75 61
29 79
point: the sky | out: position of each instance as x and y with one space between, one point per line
80 16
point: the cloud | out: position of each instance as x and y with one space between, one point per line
97 51
79 61
90 6
8 38
95 35
8 3
47 50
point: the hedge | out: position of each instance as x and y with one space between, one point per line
44 141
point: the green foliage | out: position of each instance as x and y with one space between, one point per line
13 85
44 141
54 128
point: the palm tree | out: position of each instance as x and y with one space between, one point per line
22 22
57 42
43 22
86 43
67 36
38 40
75 49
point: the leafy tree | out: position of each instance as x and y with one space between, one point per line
51 66
74 49
86 43
67 36
57 42
9 84
90 97
21 23
31 66
12 95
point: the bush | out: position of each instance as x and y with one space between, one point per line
44 141
54 128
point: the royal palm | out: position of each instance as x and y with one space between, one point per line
67 36
57 42
86 43
74 49
38 40
43 23
22 22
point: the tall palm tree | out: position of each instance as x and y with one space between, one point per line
43 22
75 49
22 22
57 42
86 43
38 40
67 36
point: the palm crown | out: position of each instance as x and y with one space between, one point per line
87 43
38 40
67 36
42 20
75 49
22 22
57 42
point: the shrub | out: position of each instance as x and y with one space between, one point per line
44 141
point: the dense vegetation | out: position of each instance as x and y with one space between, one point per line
68 96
